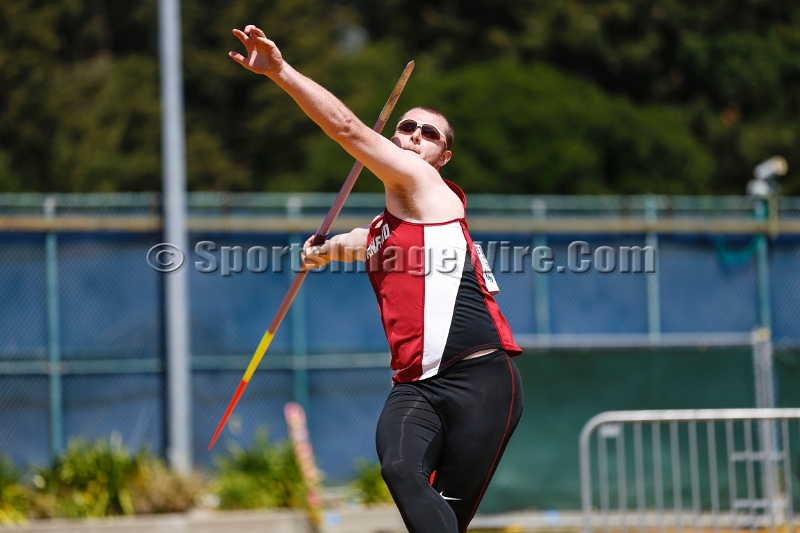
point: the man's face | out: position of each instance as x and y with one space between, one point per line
432 151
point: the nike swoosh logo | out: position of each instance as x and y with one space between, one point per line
446 498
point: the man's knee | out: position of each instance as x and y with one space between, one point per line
393 472
398 475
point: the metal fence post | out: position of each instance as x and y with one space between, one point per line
766 384
764 312
540 282
297 312
763 368
53 332
768 431
584 448
173 153
653 295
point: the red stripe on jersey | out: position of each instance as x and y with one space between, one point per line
503 329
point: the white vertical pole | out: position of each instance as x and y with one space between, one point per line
174 182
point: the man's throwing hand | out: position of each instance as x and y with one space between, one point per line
316 256
263 57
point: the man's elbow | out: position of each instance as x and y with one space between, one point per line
347 131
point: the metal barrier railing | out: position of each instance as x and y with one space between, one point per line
740 470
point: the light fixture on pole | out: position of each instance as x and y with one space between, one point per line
766 177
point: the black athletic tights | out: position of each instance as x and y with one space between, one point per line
457 425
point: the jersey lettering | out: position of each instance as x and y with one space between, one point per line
378 241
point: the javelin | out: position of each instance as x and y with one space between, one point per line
319 238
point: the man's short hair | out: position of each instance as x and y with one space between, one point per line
448 129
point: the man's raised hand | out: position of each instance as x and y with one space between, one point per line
263 57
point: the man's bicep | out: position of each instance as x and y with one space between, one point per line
358 237
391 164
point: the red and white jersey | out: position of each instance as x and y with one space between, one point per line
433 298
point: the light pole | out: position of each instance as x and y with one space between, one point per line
764 189
176 302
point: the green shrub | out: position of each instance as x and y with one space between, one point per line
368 485
159 489
88 479
103 478
263 476
15 500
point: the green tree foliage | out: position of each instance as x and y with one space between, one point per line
522 128
546 96
732 67
78 101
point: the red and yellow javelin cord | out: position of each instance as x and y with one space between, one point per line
319 238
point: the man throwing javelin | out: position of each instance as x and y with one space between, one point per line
457 395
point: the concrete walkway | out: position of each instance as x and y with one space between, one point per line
378 519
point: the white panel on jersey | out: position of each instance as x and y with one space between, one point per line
446 250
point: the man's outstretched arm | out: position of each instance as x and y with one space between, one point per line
391 164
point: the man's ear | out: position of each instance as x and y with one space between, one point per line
443 159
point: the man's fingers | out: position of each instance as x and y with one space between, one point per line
315 252
255 30
243 37
257 35
313 257
239 58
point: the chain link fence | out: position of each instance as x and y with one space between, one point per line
82 336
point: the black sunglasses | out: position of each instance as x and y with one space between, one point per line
429 131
